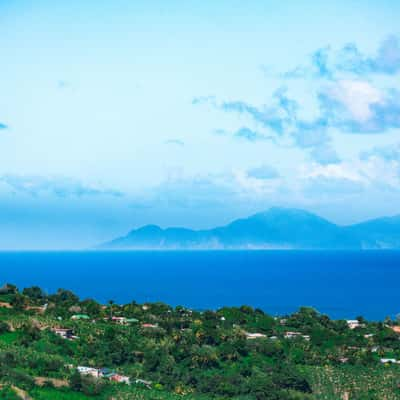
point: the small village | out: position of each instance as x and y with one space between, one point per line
146 348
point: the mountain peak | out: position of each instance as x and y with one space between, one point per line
282 211
275 228
148 229
289 215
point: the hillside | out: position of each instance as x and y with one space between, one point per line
155 351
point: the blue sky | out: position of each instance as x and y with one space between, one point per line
115 114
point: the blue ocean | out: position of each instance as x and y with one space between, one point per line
340 284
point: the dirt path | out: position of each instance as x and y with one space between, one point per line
40 380
21 393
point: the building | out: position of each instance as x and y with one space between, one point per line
254 335
396 329
88 371
119 320
132 321
106 373
111 375
149 326
120 379
65 333
80 317
354 323
291 335
389 361
124 320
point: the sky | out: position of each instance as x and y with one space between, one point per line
116 114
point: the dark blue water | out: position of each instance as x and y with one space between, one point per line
341 284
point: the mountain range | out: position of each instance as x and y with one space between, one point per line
276 228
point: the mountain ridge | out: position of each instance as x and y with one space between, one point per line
275 228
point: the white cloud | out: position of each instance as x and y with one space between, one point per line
357 97
371 172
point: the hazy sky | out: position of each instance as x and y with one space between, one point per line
115 114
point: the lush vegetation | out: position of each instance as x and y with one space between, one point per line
174 353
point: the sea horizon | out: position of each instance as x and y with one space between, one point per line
340 284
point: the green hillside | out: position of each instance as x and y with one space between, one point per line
61 347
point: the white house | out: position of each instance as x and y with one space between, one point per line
254 335
389 361
291 335
119 320
65 333
353 323
88 371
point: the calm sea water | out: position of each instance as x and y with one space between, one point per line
341 284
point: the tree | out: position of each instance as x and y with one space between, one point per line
91 307
8 288
31 333
4 327
65 296
19 302
91 386
262 387
111 303
287 377
75 381
35 293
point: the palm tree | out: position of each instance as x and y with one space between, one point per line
111 302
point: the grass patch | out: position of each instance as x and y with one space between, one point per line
9 337
54 394
6 393
5 312
7 298
124 392
117 392
358 382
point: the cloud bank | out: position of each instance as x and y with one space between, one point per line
59 187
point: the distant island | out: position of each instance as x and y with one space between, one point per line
276 228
